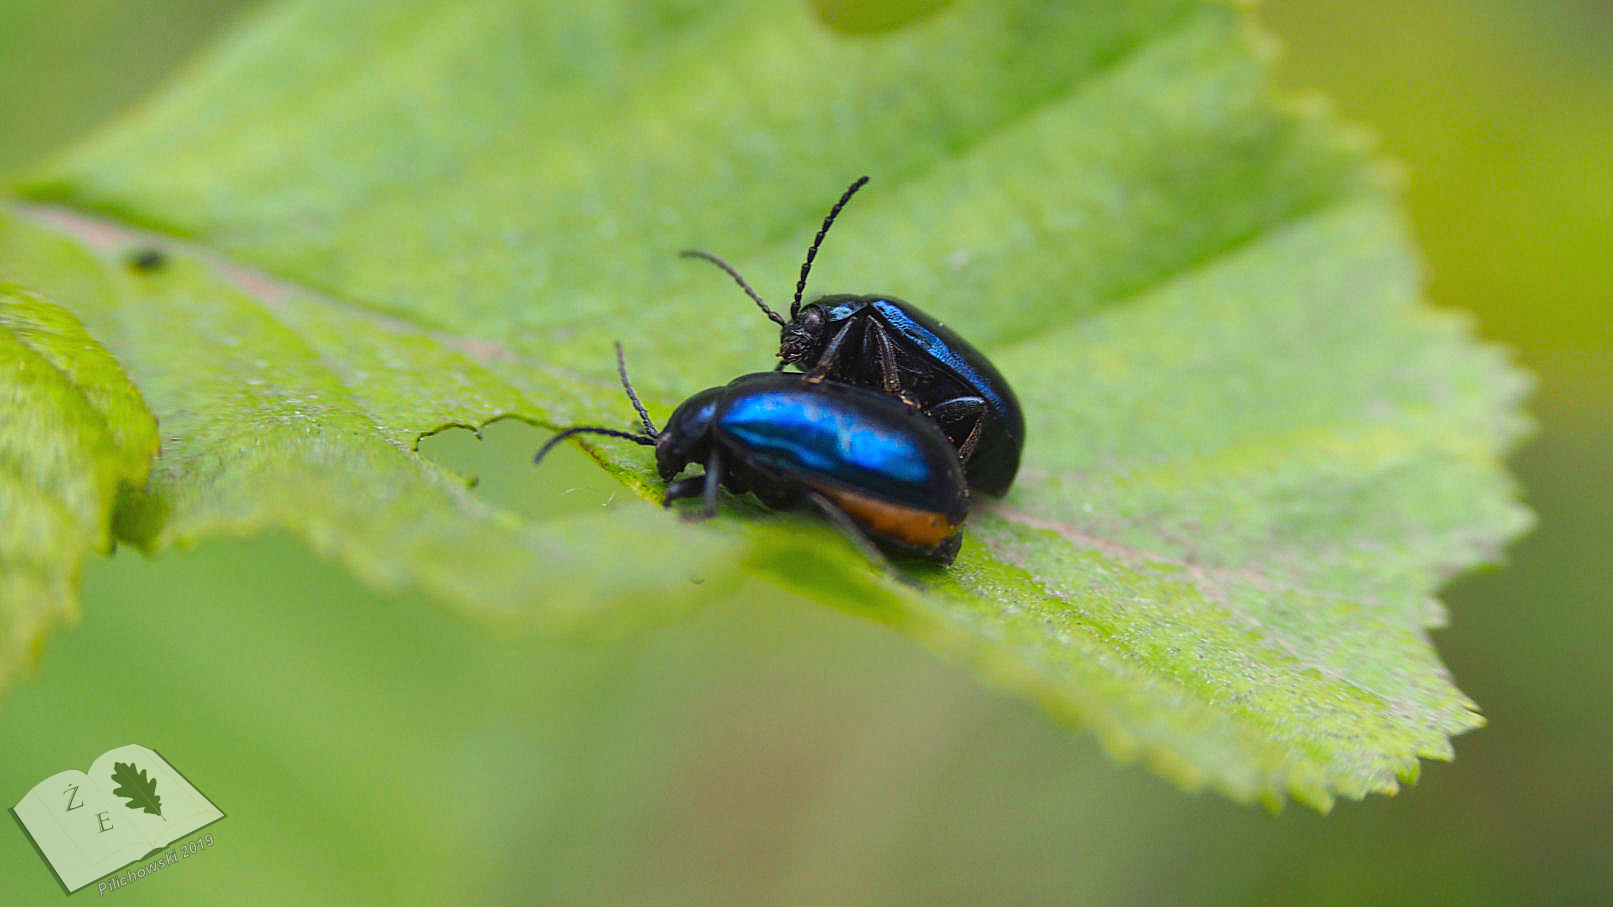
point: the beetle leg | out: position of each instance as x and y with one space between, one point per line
713 478
830 353
703 485
683 488
847 526
957 410
967 448
885 353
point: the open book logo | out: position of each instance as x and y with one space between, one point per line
129 805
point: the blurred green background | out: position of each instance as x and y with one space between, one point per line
771 750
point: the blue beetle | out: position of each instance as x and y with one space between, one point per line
874 466
884 343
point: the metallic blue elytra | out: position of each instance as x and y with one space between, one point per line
802 431
877 467
792 441
883 343
834 433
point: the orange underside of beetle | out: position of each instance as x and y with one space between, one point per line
924 528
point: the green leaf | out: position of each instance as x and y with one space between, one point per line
139 790
1254 454
74 432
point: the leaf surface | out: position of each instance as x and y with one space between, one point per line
1253 452
74 432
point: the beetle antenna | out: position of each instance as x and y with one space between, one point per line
806 266
621 369
648 438
543 451
701 253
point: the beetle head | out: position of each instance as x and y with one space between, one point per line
802 338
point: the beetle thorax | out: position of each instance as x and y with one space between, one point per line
686 437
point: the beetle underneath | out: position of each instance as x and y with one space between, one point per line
877 468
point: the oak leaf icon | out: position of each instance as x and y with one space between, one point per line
139 790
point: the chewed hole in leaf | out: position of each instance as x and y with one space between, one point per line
500 464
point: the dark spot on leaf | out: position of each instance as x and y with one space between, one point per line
855 18
147 260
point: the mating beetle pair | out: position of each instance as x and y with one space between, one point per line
893 422
868 462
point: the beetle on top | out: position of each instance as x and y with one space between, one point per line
881 342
